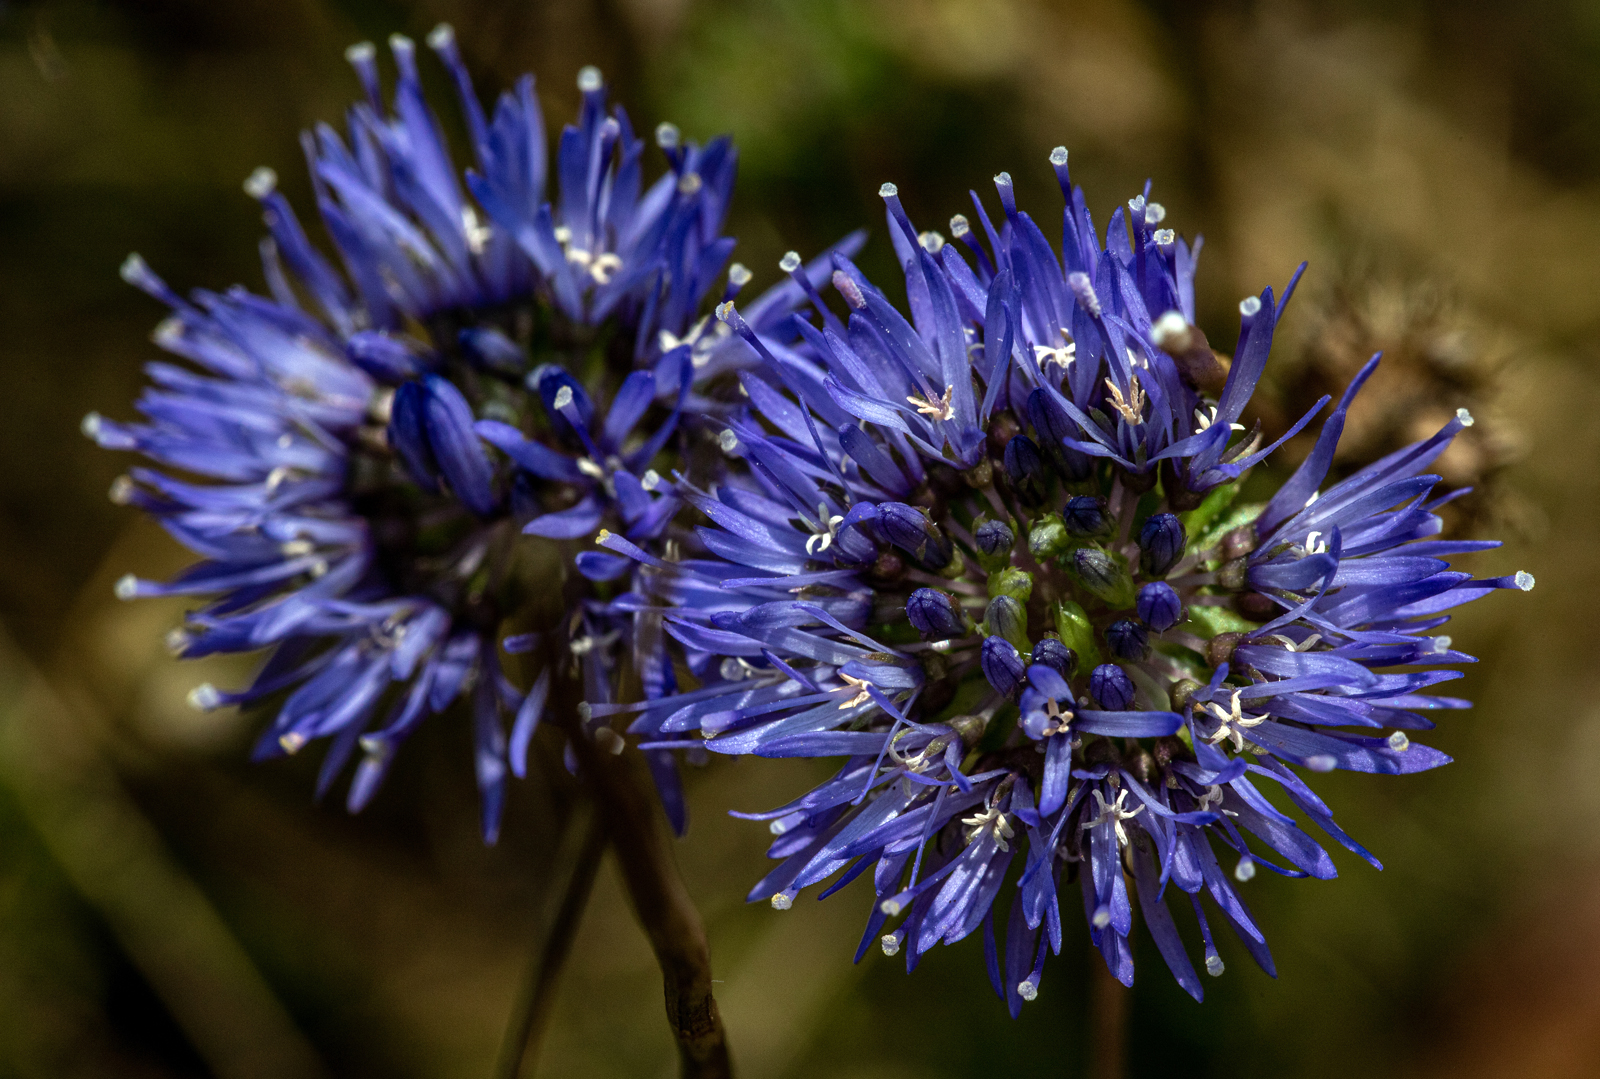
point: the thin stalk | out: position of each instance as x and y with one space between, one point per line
1108 1022
525 1030
626 797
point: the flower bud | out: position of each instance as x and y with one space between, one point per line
1048 538
1161 544
1219 649
1086 516
1002 666
1159 606
1102 575
1058 657
1025 469
1128 639
1009 619
935 615
1052 424
1112 687
1072 623
909 529
1017 583
994 540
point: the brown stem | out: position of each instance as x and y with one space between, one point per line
520 1050
1108 1022
642 842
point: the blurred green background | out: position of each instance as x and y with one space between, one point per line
167 909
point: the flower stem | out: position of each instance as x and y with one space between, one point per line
1108 1022
642 842
520 1049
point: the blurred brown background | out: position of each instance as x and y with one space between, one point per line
167 909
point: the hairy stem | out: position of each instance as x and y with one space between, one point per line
642 842
532 1011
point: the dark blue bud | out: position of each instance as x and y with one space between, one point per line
1112 687
409 438
1002 665
1025 469
935 615
994 538
454 441
493 349
1052 424
385 358
1159 606
1086 516
1006 617
1161 543
1128 639
909 529
1058 657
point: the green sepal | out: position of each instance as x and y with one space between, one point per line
1215 620
1077 632
1013 582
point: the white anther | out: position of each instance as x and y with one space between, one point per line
1163 237
777 827
1441 643
826 528
285 440
1113 813
739 275
667 135
1524 580
589 79
890 942
441 36
1322 762
318 569
990 820
689 183
862 688
1204 419
1058 156
1315 544
959 226
1245 870
1211 797
121 492
931 242
938 408
1154 213
477 233
1136 206
1214 965
177 640
650 480
90 425
1249 306
360 52
127 586
604 267
133 268
790 262
1002 179
782 901
296 547
563 398
1465 417
293 742
1101 917
728 441
204 697
1062 355
563 235
1027 990
610 741
260 183
1399 742
168 332
1232 723
888 190
1131 407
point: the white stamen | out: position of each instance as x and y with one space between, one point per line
1163 237
790 262
293 742
1101 918
1058 156
938 408
667 135
563 397
1232 723
1322 762
441 36
360 52
318 569
1027 990
650 480
890 942
889 907
563 235
1130 408
1214 965
1002 179
121 491
587 466
959 226
127 586
1315 544
689 183
931 241
728 441
1245 870
1399 742
177 640
1136 205
1465 417
1249 306
888 190
133 268
1062 355
297 547
90 425
1524 580
589 79
991 820
1154 213
1113 813
862 695
260 183
610 741
476 232
739 275
826 529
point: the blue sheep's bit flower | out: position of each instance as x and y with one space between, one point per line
361 453
1106 703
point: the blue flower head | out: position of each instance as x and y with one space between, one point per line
355 458
994 553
